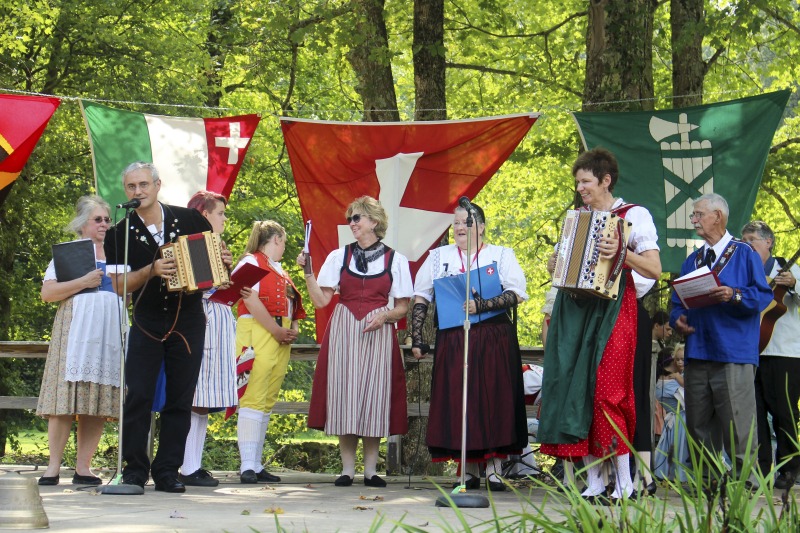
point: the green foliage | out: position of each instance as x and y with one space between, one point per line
290 58
283 427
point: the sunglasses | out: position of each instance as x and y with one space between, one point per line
355 218
98 220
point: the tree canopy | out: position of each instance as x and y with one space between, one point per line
380 60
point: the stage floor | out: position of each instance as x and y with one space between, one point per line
301 502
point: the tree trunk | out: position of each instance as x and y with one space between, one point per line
371 61
429 60
619 57
430 104
688 68
218 33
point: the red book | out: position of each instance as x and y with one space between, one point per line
246 276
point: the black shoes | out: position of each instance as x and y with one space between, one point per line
48 481
649 490
344 481
266 477
785 481
250 477
78 479
495 486
199 478
170 483
470 482
129 479
373 481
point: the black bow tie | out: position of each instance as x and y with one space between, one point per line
710 257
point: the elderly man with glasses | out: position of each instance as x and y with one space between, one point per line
777 383
722 339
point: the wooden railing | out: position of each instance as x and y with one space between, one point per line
300 352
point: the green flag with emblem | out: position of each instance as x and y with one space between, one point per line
667 158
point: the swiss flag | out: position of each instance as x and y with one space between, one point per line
22 121
417 170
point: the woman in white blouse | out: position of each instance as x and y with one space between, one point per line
359 383
496 423
82 371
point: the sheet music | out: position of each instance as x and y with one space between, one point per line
693 288
307 237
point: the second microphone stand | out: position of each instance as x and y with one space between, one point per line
115 487
463 499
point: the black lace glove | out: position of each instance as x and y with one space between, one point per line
505 301
418 314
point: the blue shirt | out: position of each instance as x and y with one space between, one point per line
727 332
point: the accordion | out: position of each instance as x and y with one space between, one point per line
198 262
579 267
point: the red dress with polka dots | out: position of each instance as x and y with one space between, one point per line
613 398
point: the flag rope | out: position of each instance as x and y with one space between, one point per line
353 112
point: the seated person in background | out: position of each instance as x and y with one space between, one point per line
672 452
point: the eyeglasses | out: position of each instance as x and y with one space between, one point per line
98 220
355 218
699 214
752 239
144 186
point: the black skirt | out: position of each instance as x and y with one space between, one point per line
642 368
496 419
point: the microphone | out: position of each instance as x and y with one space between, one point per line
130 204
464 203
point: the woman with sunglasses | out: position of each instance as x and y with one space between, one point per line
359 388
82 370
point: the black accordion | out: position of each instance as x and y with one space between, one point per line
198 262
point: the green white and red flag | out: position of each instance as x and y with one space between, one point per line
190 153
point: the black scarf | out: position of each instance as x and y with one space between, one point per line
365 256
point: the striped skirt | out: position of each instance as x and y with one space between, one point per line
216 384
359 382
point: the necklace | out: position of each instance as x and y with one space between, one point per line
474 259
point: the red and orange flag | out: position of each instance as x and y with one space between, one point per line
22 121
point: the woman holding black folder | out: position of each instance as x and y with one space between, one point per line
496 422
82 372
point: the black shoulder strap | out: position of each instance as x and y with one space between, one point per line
781 261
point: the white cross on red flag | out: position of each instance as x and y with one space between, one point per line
417 170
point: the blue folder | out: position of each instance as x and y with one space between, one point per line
449 294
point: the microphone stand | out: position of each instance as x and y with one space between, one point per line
458 498
116 487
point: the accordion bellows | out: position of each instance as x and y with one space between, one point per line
198 258
579 267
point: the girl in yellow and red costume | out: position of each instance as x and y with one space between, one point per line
266 328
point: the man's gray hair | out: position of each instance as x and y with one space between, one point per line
141 165
714 201
761 229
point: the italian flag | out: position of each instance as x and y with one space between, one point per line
190 153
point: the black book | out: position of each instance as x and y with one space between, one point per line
74 259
